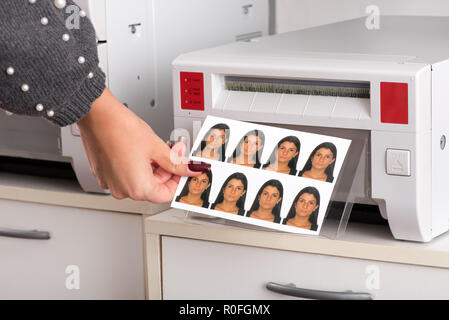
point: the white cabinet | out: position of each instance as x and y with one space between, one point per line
197 257
197 269
98 251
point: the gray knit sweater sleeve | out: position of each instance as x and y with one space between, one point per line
46 68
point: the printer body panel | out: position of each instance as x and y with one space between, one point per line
403 116
440 147
298 109
402 165
407 195
369 187
27 137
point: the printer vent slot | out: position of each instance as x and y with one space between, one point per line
298 86
40 168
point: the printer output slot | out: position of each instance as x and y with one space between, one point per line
298 86
308 100
34 167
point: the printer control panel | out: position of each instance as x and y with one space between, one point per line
192 91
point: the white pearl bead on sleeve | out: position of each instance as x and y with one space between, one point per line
60 4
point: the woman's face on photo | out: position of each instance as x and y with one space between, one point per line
322 158
306 205
216 138
234 190
251 145
287 151
269 197
198 184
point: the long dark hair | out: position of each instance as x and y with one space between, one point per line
241 201
313 218
204 195
293 161
236 152
222 149
277 208
330 168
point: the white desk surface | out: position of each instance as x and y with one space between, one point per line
67 193
361 241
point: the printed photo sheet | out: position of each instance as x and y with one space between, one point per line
262 175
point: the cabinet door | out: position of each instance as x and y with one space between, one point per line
131 63
182 26
194 269
90 254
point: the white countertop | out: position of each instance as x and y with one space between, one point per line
67 193
361 241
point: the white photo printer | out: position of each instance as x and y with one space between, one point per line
388 86
137 41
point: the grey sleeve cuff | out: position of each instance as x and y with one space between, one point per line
79 104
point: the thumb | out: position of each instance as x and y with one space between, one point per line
173 161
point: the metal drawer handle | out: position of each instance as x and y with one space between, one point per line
292 290
33 234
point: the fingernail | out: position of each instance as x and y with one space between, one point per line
182 139
199 166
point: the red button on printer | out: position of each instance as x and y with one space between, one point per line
192 91
394 102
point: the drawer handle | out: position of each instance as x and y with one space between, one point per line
292 290
33 234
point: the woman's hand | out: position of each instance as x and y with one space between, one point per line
127 157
